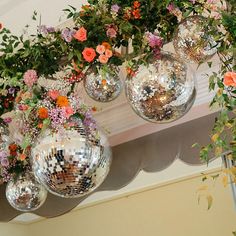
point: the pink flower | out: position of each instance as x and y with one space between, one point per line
108 53
23 107
53 94
7 120
81 34
100 49
171 7
103 59
69 112
30 77
154 40
111 32
230 79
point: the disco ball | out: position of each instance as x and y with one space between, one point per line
163 91
25 193
71 166
192 40
103 85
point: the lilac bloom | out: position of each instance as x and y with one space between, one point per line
67 34
4 162
11 90
115 8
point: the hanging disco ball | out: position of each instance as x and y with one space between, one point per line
163 91
25 193
103 85
192 40
71 166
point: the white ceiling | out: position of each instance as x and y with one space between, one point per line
117 116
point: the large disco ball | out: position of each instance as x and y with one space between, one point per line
71 166
25 193
192 40
163 91
103 85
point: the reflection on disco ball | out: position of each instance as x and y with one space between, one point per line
25 193
4 136
103 85
71 166
192 40
163 91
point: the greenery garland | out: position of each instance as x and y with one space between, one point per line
100 29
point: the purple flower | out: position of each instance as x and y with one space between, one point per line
193 1
11 90
4 162
45 30
115 8
3 154
67 34
30 77
7 120
154 40
58 117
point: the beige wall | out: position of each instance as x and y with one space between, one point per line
170 210
13 230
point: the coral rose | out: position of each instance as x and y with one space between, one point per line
100 49
53 94
89 54
62 101
108 53
230 79
81 34
43 113
69 112
103 59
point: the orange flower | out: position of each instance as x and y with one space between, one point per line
94 109
1 26
108 53
40 125
136 4
43 113
136 14
81 34
62 101
230 79
89 54
103 59
106 45
22 157
130 72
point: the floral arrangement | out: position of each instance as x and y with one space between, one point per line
144 26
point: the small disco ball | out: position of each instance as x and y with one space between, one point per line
25 193
163 91
103 85
71 166
192 40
